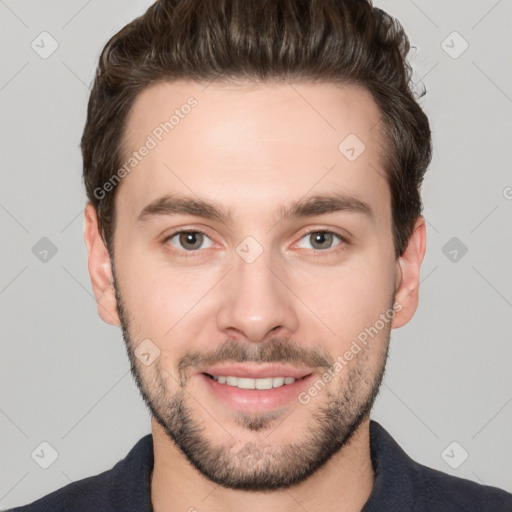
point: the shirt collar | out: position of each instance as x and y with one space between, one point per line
392 490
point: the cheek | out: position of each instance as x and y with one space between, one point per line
348 298
163 302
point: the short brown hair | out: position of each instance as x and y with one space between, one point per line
340 41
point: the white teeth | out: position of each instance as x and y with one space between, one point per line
246 383
263 383
277 382
231 381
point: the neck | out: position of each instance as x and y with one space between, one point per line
343 484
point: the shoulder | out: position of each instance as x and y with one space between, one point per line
124 487
88 494
441 491
403 484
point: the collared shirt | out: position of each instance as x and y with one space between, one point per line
401 485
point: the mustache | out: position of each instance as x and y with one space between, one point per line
276 350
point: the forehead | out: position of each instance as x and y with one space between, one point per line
250 146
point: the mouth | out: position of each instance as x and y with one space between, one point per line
256 388
248 383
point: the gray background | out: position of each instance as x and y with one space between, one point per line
64 373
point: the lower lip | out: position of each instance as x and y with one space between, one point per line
255 400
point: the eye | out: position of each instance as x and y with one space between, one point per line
189 240
320 240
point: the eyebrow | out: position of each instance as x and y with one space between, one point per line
172 204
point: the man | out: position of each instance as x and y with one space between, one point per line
253 172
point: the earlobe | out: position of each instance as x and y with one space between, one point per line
100 268
408 275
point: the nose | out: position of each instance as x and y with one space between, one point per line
256 301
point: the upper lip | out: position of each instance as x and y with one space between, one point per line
256 371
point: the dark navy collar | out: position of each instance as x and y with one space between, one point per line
401 484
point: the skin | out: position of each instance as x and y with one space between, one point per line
254 149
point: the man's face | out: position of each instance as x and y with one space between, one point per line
256 294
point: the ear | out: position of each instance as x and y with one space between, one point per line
408 268
100 268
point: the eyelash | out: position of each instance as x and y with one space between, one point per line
331 251
187 254
316 252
